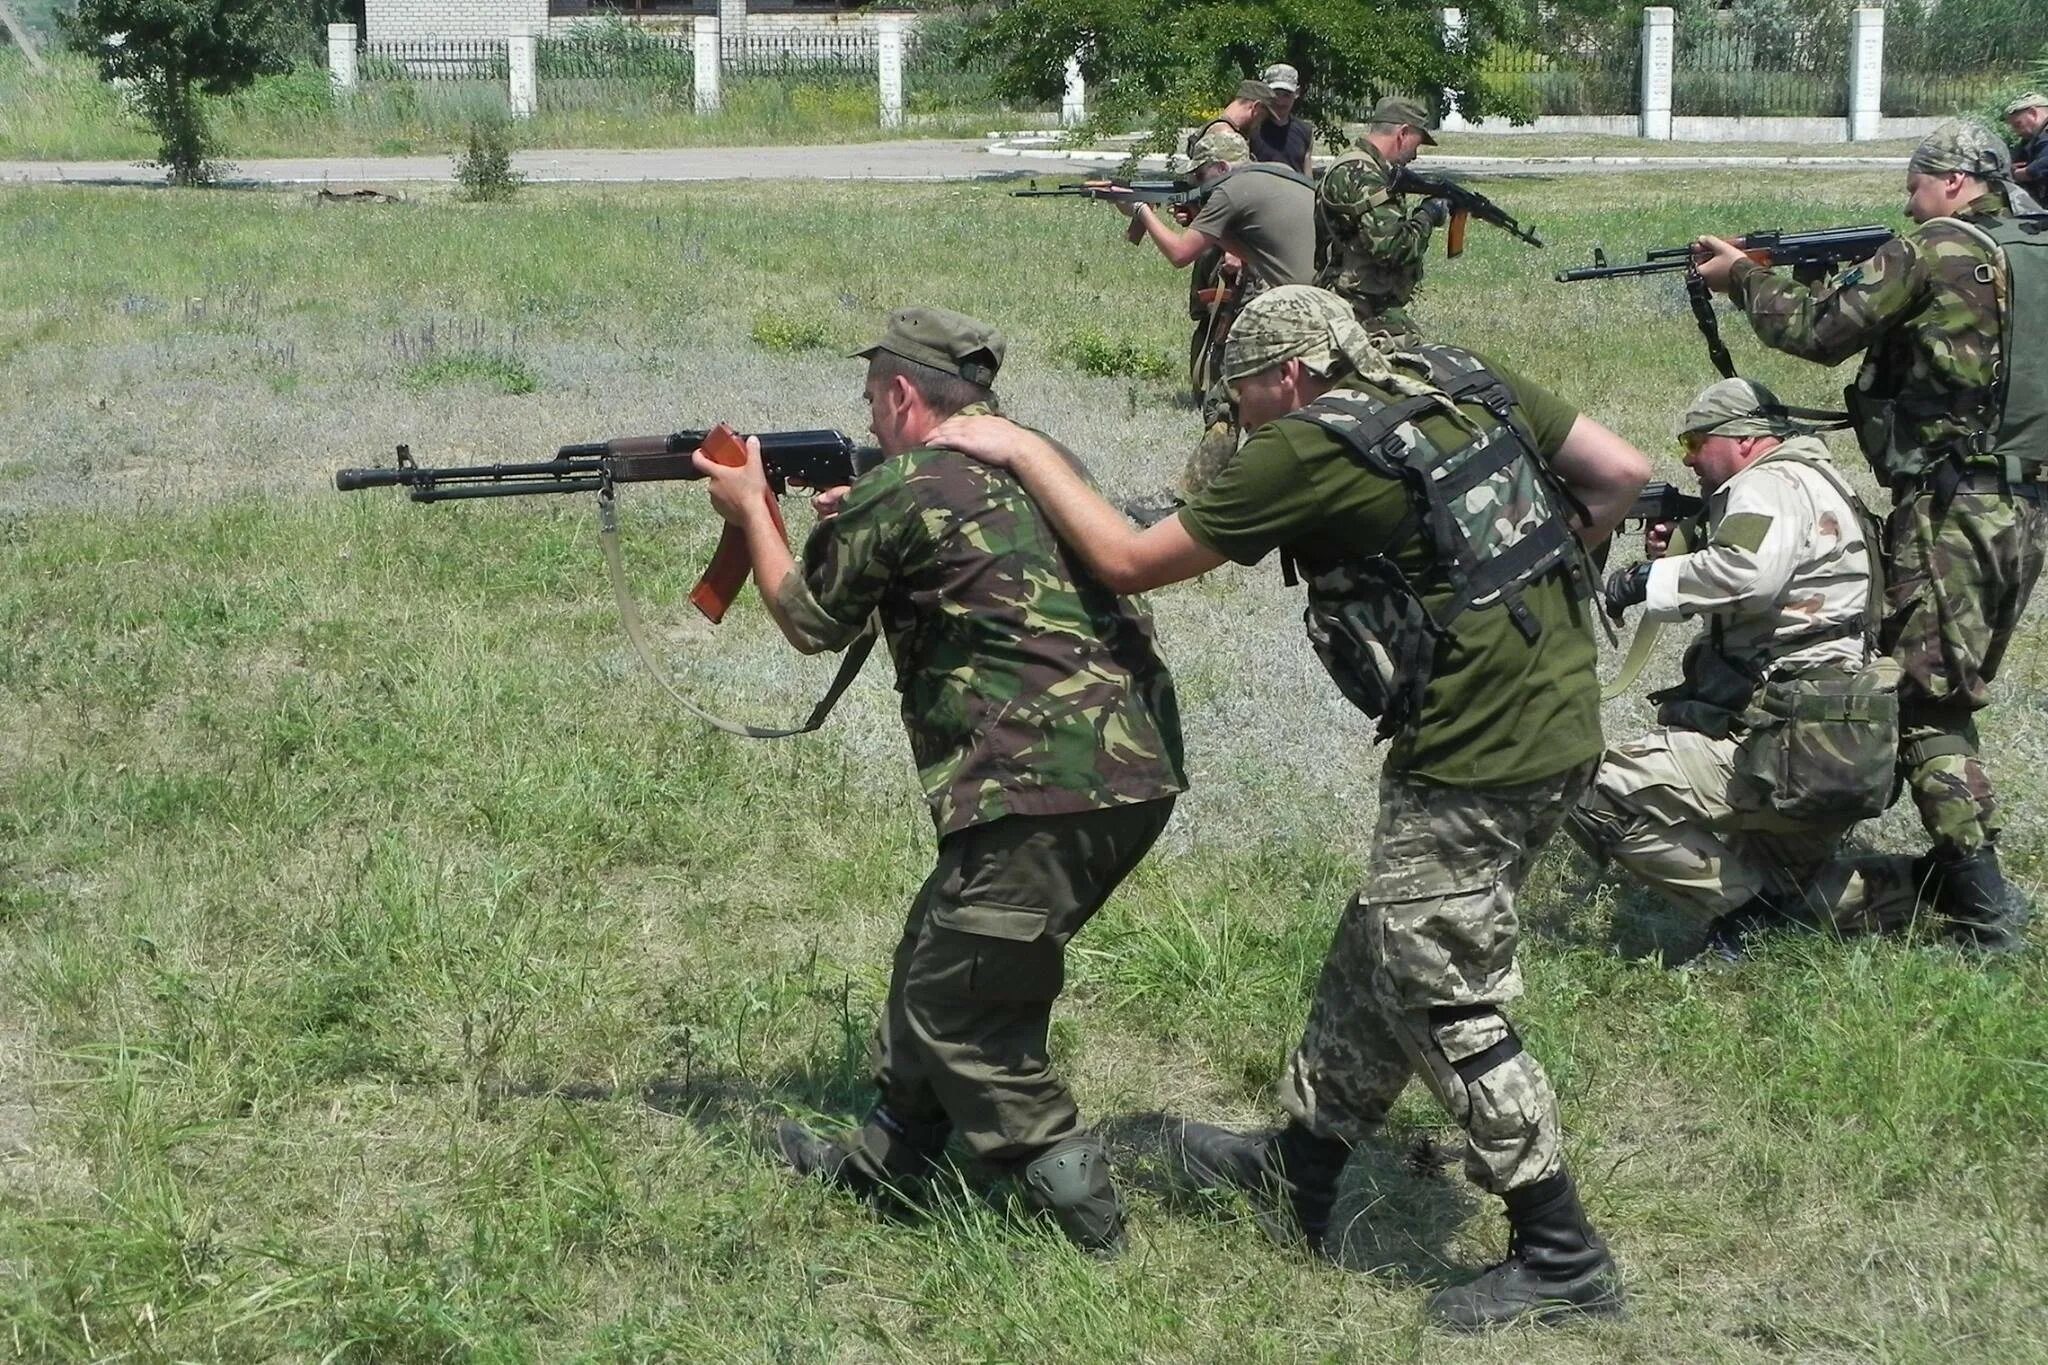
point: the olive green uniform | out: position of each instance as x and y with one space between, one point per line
1047 739
1503 742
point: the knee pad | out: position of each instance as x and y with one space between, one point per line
1070 1181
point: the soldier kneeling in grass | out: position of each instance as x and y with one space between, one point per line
1783 732
1430 501
1047 740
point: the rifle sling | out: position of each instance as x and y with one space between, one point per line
636 631
1645 642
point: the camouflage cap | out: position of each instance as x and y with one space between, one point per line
1735 407
1281 76
1398 110
1963 145
1253 90
2033 99
944 340
1220 144
1296 322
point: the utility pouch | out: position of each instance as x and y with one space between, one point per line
1823 746
1875 422
1715 697
1379 647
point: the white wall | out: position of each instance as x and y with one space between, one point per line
393 20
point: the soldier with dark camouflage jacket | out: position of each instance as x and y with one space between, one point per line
1495 711
1376 242
1723 807
1046 737
1967 530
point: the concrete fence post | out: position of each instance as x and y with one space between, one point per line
889 67
341 57
1659 24
1454 41
1074 100
704 57
522 59
1866 73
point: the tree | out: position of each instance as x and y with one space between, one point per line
1173 60
171 52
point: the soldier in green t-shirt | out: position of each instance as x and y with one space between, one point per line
1047 740
1487 762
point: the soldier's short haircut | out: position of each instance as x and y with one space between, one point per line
1384 129
945 394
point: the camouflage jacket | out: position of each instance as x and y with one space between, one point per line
1924 310
1028 687
1786 557
1374 245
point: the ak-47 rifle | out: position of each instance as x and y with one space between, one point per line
1662 502
1812 256
1465 206
1161 193
812 459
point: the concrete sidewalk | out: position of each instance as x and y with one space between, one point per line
924 160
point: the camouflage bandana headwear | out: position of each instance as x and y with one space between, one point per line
945 340
2033 99
1314 326
1219 145
1735 407
1963 145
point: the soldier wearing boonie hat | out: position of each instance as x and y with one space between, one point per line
1496 725
1967 532
1280 137
1780 570
1376 241
2027 116
1048 745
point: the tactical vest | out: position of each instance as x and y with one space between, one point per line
2016 444
1342 263
1492 513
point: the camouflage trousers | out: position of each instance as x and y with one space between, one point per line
1659 806
1423 961
1957 581
962 1042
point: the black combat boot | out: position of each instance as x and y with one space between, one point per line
898 1152
1978 906
1733 936
1290 1174
1557 1267
1070 1180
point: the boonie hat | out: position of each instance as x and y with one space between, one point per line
1253 90
1281 76
1395 109
945 340
2033 99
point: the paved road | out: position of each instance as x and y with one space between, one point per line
908 160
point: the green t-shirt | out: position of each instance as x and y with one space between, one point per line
1268 220
1499 710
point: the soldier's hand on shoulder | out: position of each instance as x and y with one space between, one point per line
1625 588
992 440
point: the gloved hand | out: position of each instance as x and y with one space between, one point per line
1625 588
1435 211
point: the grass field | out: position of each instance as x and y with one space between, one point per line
387 974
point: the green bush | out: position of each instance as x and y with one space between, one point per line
485 170
494 369
786 335
1096 352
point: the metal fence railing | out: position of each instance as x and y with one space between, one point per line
1761 69
943 76
1566 72
821 57
448 59
616 68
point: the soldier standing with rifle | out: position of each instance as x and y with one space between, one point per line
1784 731
1048 743
1951 408
1373 258
1467 631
